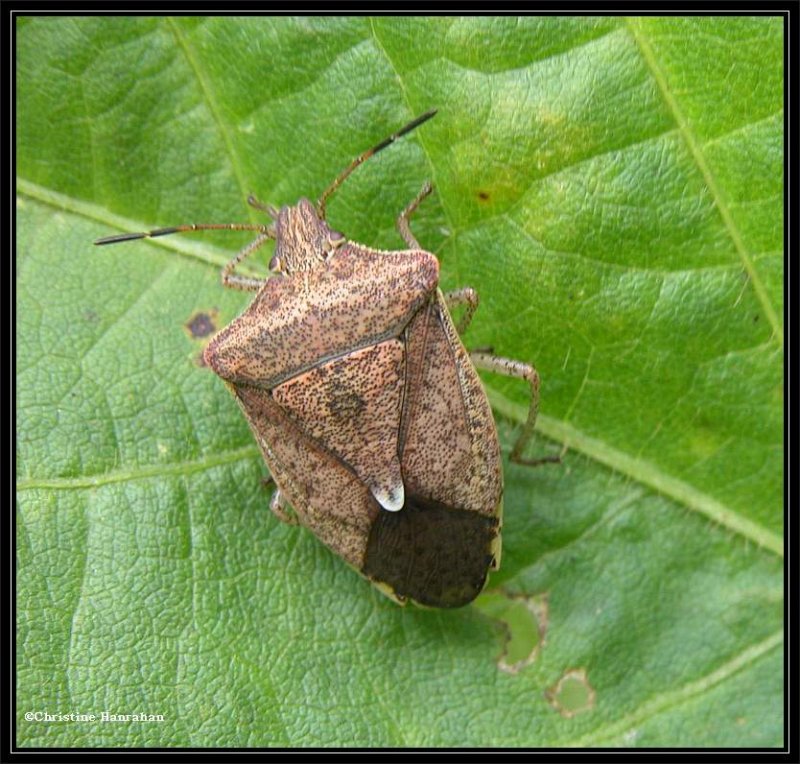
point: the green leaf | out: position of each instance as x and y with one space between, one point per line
613 189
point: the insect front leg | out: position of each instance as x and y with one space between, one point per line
246 283
511 368
403 221
269 209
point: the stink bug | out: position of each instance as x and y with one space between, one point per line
366 405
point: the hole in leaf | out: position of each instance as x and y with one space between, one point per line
572 694
523 621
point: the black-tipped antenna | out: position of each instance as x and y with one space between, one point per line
367 154
181 229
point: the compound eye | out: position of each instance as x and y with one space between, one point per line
275 263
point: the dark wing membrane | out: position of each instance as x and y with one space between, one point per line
431 553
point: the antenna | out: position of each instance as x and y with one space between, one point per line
366 155
181 229
267 229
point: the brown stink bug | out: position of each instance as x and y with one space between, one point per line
366 405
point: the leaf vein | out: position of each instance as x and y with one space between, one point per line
146 472
664 701
696 151
211 103
404 92
645 472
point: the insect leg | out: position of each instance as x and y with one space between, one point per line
402 221
246 283
510 368
269 209
464 296
281 509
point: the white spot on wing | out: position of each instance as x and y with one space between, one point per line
392 498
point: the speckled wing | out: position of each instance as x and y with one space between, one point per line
351 406
439 548
327 496
448 440
373 421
